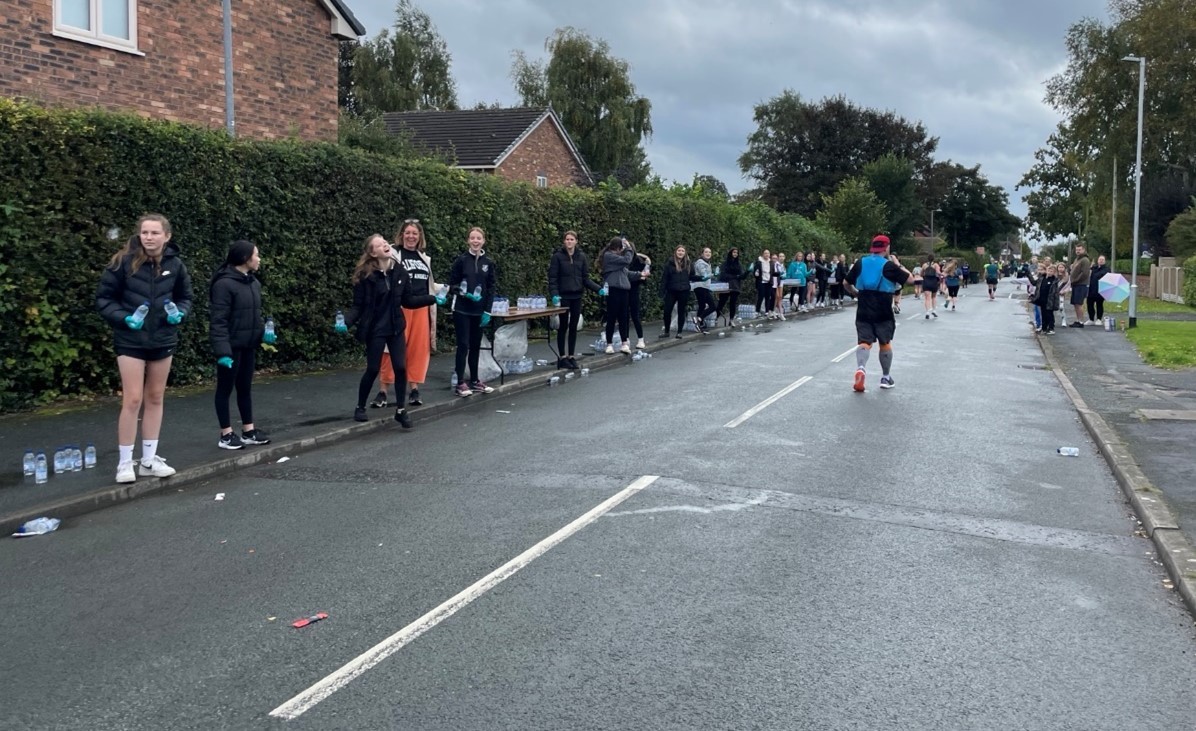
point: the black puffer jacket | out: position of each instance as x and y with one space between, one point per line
569 276
235 313
378 291
673 279
122 291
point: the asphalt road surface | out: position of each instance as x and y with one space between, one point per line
613 554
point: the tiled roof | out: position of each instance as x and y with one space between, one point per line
476 138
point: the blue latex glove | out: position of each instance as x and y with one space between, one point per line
269 338
603 292
556 301
474 297
441 301
133 324
175 319
225 362
341 328
485 319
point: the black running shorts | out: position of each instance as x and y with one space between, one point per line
876 332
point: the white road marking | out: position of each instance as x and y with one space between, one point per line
854 348
726 508
308 699
915 317
768 402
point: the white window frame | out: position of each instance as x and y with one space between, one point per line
541 181
96 36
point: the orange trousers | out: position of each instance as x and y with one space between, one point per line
419 349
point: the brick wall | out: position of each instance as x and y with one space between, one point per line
284 59
543 152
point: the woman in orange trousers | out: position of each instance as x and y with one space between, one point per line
410 252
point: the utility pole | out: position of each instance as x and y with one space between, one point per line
230 120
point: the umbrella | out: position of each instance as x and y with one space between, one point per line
1113 287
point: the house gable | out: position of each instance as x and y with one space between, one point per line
544 156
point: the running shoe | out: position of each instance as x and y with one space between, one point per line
230 441
639 345
359 414
379 401
1076 324
413 397
858 384
953 308
935 314
609 349
255 436
403 419
927 315
462 390
887 382
480 386
125 472
626 348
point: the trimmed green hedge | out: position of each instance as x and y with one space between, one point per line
1190 281
70 179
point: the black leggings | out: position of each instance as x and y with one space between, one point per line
764 296
705 303
836 291
240 377
469 345
568 326
374 347
618 310
1096 308
723 298
821 286
1048 319
633 312
681 300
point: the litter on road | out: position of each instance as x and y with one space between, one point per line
37 527
309 620
219 496
283 459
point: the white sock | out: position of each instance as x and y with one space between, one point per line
126 453
149 447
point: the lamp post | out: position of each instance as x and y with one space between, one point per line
1137 189
932 212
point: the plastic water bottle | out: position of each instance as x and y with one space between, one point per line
453 380
1069 451
58 461
76 459
141 313
477 291
340 318
585 372
171 308
89 456
464 287
442 293
270 326
40 469
29 465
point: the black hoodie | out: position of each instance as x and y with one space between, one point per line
569 276
235 312
122 291
378 302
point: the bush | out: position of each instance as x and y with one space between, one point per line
1190 281
72 183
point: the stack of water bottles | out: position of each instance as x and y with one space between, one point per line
533 302
523 365
67 458
745 312
501 306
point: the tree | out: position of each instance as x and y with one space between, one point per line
891 178
1181 234
800 151
405 71
592 93
711 186
1060 184
346 97
976 212
855 212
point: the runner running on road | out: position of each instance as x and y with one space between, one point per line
872 281
991 271
930 286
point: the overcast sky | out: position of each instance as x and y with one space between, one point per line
972 71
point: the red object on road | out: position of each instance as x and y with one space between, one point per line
309 620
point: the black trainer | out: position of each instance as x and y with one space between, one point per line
379 401
359 414
256 436
230 441
572 363
402 417
413 397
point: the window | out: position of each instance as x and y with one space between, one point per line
541 181
108 23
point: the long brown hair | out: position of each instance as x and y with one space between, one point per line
423 245
682 264
367 264
133 246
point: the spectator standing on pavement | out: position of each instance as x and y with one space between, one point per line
762 274
617 279
147 270
953 279
836 280
381 291
872 281
1081 271
930 286
778 291
568 279
991 274
822 273
412 255
641 264
1096 303
471 284
235 329
705 273
731 273
1061 274
1046 297
675 277
797 272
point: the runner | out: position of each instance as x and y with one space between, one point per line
930 286
917 281
991 271
872 281
953 279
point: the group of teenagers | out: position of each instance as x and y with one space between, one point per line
1051 285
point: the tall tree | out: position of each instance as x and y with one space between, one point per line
406 70
801 151
346 97
1060 200
976 213
854 211
891 178
591 91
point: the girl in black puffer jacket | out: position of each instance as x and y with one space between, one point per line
236 328
149 271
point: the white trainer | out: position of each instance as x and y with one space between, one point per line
625 347
640 345
156 468
609 348
125 472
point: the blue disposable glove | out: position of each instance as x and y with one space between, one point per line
556 300
175 318
485 319
269 338
603 292
133 324
341 328
225 362
474 297
441 301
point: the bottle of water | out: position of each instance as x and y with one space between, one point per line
58 466
477 291
76 459
1069 451
172 310
89 456
270 326
40 469
453 380
141 313
442 293
29 463
464 287
340 318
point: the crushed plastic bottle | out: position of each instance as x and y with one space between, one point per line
585 372
1069 451
38 526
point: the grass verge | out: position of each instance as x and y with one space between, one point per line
1148 305
1165 344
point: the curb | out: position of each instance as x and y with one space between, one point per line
1149 503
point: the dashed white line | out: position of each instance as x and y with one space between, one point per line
768 402
841 357
309 698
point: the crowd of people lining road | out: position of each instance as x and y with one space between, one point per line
145 293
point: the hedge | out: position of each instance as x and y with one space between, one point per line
73 183
1190 281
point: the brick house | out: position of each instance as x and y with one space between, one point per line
165 59
524 143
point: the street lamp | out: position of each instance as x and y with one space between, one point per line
1137 189
932 222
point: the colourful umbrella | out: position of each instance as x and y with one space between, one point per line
1113 287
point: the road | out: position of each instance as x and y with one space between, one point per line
918 558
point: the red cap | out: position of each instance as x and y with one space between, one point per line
880 243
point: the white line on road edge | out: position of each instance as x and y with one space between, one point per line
308 699
768 402
915 317
841 357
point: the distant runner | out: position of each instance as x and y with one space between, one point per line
991 272
872 281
